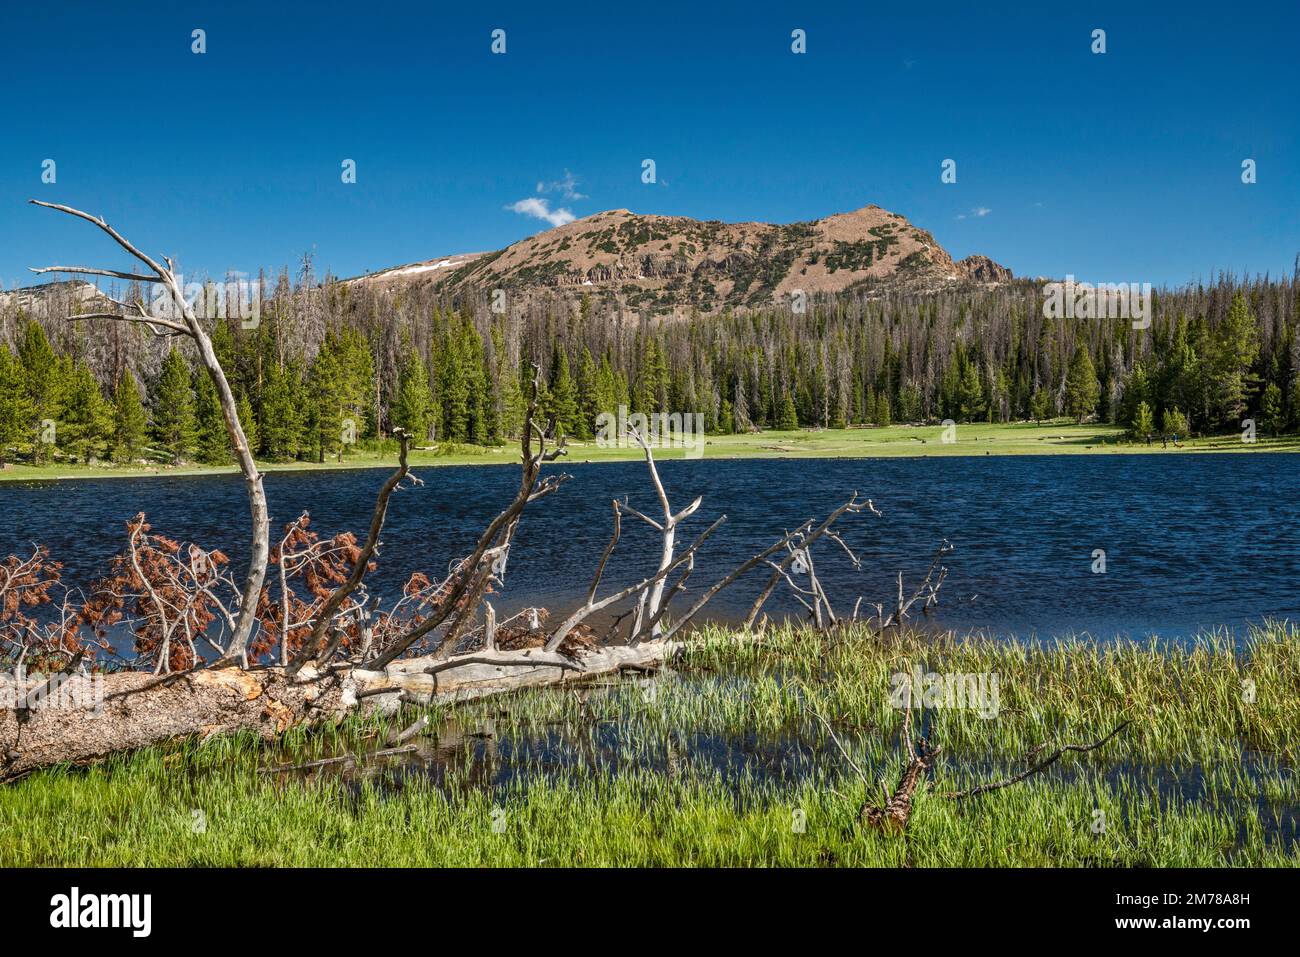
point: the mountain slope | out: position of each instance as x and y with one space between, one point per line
675 263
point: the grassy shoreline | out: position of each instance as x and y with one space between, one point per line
720 762
1017 438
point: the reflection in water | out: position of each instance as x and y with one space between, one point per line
488 755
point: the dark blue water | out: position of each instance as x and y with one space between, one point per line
1192 542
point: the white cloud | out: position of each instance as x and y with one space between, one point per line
567 187
978 212
540 208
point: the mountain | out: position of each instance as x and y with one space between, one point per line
675 263
65 296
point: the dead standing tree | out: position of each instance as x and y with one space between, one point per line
181 320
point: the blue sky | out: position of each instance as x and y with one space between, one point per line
1124 166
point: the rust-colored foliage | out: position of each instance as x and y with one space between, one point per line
175 598
26 584
167 593
319 567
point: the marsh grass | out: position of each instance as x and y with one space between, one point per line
720 761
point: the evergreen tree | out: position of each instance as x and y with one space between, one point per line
588 396
1236 347
247 421
172 403
883 416
511 403
279 428
211 440
42 384
1081 386
1270 409
129 419
1173 423
337 392
970 394
453 391
1040 405
473 366
1136 392
726 418
561 395
787 419
650 390
1143 421
15 407
86 425
412 408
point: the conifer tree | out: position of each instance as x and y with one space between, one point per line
588 395
43 386
1081 386
248 420
512 402
86 423
1270 409
561 396
172 406
453 391
1236 347
129 419
211 440
1173 423
1143 421
279 427
1040 405
412 408
15 408
787 419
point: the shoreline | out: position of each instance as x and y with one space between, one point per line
974 440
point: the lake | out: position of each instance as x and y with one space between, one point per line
1192 542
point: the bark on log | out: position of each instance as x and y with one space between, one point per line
140 709
898 808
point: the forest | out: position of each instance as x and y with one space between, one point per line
330 363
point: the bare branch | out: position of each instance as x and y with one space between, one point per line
1037 768
92 271
117 237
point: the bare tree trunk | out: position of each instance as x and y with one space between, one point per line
189 325
140 709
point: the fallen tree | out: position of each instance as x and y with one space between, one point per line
309 644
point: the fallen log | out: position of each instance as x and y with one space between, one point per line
129 710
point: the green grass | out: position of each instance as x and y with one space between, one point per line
725 764
1017 438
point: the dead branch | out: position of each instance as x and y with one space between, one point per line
467 585
189 325
1037 768
325 615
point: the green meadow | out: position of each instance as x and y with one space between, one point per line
1016 438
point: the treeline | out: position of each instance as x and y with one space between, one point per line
327 364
